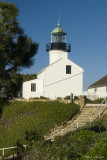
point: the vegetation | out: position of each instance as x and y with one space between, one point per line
59 98
27 77
67 97
85 143
97 101
27 123
16 50
41 97
21 118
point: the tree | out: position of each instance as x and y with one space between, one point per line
27 77
16 50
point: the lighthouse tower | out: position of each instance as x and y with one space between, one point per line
58 48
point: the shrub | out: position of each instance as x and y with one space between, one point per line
59 98
79 145
76 97
41 97
67 97
97 101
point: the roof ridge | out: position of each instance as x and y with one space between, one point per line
101 82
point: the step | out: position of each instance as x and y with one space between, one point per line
69 129
86 115
90 109
94 105
79 124
97 112
66 131
86 118
86 111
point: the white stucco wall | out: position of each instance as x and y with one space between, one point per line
54 55
65 87
101 91
26 90
60 84
57 72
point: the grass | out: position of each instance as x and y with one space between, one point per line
18 117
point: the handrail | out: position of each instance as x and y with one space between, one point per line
76 121
98 107
92 112
3 149
66 127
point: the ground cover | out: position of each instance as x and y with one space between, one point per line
88 142
19 117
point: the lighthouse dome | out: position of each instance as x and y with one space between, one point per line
58 30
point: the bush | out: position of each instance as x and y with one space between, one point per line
67 97
97 101
76 97
41 97
59 98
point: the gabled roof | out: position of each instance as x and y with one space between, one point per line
99 83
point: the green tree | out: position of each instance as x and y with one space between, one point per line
16 50
27 77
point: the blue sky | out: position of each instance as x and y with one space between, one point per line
85 22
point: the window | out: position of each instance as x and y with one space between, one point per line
95 90
68 69
33 87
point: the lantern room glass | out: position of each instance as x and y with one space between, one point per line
58 38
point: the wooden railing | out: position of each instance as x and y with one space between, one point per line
77 121
3 149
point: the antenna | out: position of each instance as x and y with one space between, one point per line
59 18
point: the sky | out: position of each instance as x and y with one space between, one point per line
85 22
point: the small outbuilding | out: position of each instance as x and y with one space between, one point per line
98 89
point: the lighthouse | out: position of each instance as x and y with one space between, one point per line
58 48
61 77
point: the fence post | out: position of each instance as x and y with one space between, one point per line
90 119
99 111
3 154
71 97
77 124
106 100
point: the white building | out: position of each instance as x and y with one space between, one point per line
62 77
98 89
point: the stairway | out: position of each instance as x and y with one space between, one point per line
80 120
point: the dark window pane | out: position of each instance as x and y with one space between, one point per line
95 89
33 87
68 69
